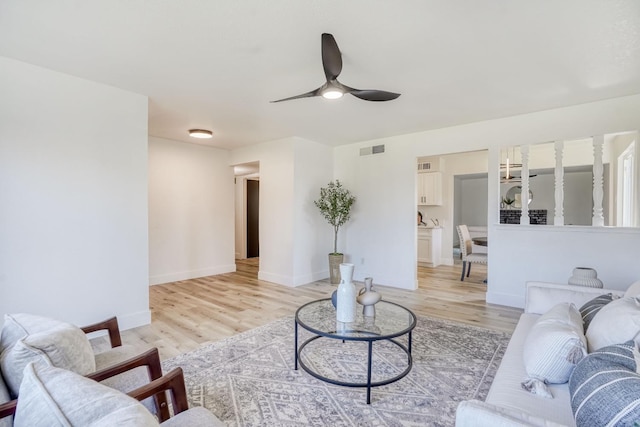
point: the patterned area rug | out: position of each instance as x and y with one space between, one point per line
249 379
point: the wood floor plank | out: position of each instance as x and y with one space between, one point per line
189 313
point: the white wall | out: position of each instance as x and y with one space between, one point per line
386 233
191 211
73 192
291 172
313 236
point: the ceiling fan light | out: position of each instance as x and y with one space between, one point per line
200 133
332 93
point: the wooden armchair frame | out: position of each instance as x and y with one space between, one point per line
173 382
111 326
150 359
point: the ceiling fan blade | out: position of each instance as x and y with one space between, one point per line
373 95
331 57
314 92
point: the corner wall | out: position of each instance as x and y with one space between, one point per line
294 240
191 211
73 192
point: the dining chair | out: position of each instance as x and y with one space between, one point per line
466 249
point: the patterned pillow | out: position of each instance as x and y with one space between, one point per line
591 308
553 347
605 387
57 397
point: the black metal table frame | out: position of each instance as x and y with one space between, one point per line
370 339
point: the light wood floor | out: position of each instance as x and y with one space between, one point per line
189 313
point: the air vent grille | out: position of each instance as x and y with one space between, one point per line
424 166
376 149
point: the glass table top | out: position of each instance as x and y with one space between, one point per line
391 320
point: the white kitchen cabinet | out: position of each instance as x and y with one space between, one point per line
429 246
430 188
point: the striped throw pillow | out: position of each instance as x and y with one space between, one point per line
591 308
605 387
552 349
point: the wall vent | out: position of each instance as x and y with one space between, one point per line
376 149
424 166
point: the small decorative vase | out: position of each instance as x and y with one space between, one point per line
346 296
368 298
584 276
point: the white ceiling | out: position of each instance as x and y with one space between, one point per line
216 64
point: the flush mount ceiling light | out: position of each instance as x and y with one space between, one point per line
200 133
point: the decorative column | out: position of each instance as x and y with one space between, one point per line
524 196
558 218
598 186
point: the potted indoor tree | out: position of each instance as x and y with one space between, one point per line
335 206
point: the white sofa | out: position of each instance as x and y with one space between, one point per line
507 403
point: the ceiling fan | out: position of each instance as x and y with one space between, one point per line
333 89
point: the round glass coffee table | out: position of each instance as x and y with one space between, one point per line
391 321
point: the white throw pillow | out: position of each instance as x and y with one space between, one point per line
553 347
51 397
633 290
615 323
20 325
65 347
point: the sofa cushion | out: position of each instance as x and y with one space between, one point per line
506 390
615 323
65 346
592 307
605 387
633 290
553 347
57 397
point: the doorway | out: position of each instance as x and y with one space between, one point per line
247 210
253 218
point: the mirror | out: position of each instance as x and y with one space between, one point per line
514 194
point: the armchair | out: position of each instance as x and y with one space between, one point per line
48 394
27 338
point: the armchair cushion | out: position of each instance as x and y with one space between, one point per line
64 346
4 398
129 380
56 397
194 417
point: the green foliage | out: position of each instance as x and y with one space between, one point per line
335 206
508 201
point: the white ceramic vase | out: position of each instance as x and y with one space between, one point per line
368 298
346 298
584 276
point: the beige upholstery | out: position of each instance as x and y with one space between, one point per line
466 248
27 338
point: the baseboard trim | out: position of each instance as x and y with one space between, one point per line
508 300
192 274
276 278
133 320
310 278
446 261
